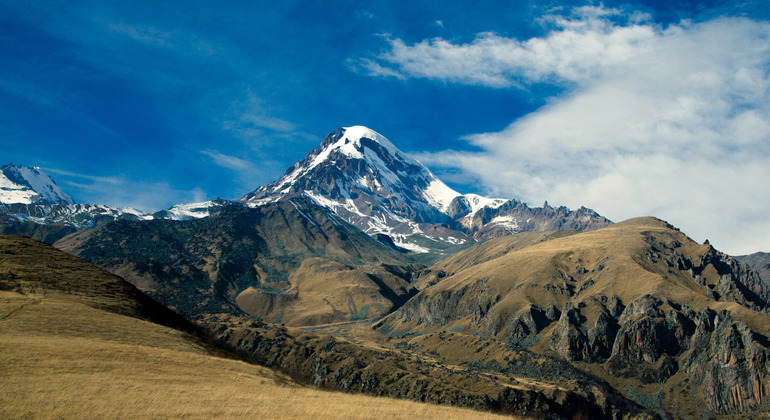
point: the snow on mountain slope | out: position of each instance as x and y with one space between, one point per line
365 179
191 210
367 162
20 184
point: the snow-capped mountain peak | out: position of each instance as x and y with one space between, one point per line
350 143
358 160
20 184
361 176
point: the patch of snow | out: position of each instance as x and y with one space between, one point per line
305 215
401 242
44 185
478 202
192 210
415 228
357 132
439 195
507 221
453 240
11 192
322 201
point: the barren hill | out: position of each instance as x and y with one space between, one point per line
638 303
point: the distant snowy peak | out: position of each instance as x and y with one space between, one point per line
358 160
20 184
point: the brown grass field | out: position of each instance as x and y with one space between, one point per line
63 359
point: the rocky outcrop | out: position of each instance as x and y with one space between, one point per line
474 301
640 301
732 363
331 363
514 217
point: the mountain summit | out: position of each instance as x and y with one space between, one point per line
20 184
365 175
365 179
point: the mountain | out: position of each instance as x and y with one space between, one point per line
366 180
356 172
80 342
290 262
759 262
20 184
31 204
677 326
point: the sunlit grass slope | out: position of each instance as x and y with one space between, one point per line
69 351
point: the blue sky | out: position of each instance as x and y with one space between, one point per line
630 108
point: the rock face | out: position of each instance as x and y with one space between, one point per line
292 262
366 180
639 299
759 262
337 364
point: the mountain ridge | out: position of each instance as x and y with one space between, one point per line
638 303
357 173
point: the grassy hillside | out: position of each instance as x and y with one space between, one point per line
77 342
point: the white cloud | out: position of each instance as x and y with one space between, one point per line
229 162
672 122
579 48
248 117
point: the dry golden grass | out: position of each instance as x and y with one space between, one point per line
528 269
62 359
323 291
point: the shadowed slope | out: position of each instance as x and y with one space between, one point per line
292 262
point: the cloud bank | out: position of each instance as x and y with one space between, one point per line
666 121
